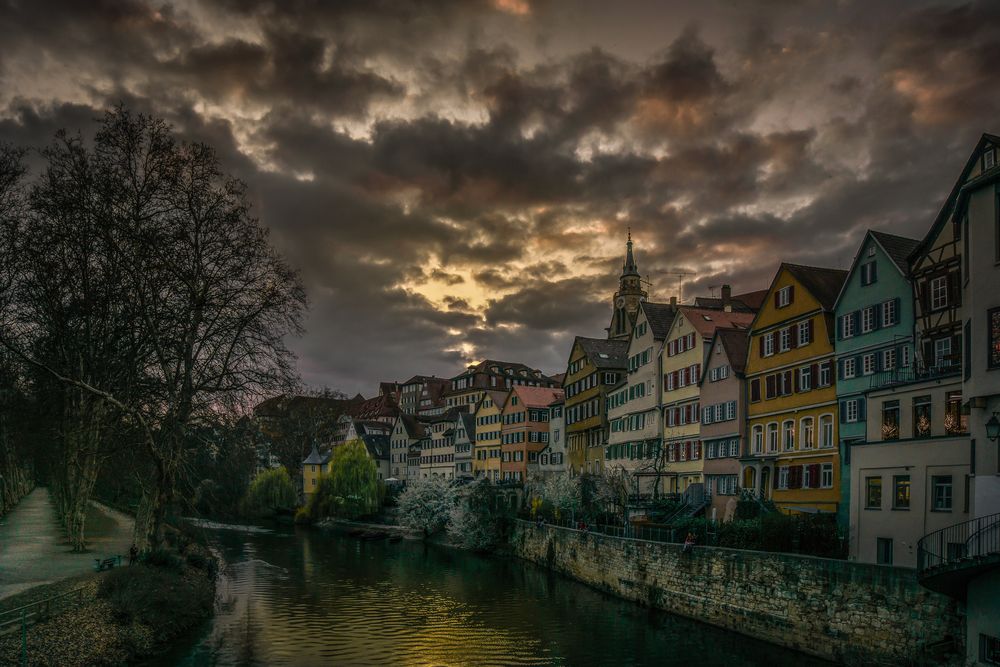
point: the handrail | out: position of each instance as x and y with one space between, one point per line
962 541
38 609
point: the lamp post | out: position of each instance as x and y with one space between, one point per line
993 428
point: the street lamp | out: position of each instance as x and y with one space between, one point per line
993 428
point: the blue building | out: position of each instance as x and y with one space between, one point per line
875 323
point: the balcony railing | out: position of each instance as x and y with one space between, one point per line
967 543
914 373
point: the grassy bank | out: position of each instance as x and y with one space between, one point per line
123 614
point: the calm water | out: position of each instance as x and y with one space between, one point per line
306 598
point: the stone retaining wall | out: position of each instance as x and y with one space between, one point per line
839 610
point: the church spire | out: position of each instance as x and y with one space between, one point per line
629 268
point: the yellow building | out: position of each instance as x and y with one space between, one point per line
595 366
313 466
486 451
681 358
792 454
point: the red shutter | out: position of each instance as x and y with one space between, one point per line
755 389
793 337
791 294
809 329
697 372
687 449
795 380
776 298
814 376
788 382
760 344
770 386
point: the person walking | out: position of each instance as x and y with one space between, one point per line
133 555
689 542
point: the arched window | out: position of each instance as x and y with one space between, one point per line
788 434
826 431
772 437
758 439
807 433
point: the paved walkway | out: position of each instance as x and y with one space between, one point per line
34 551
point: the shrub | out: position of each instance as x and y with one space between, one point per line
477 520
426 504
166 559
164 600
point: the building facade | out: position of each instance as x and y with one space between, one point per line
468 387
524 429
595 365
874 338
682 361
463 435
723 418
552 459
487 449
437 455
633 405
407 432
792 402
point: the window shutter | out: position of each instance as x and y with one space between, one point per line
861 409
928 353
956 347
776 298
690 341
788 382
923 297
755 389
843 412
954 289
874 275
876 318
791 294
771 382
840 327
856 321
793 337
895 311
795 380
760 345
814 476
809 330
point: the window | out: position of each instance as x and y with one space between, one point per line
805 378
901 492
824 375
805 333
808 436
772 437
869 273
758 439
788 435
941 493
868 364
883 550
989 649
851 411
826 476
783 477
890 420
768 344
989 159
954 421
888 359
847 325
867 319
906 357
873 493
850 368
939 292
826 431
783 297
942 352
921 416
889 313
993 333
785 340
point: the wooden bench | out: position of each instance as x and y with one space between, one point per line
107 563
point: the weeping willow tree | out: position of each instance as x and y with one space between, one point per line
351 488
270 492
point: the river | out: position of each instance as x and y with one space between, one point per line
299 597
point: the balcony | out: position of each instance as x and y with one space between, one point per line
948 559
901 376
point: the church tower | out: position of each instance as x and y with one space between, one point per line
626 300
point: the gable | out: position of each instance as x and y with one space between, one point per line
802 301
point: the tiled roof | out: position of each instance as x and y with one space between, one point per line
824 284
284 404
380 406
897 247
315 458
377 445
660 316
422 379
537 397
469 422
558 378
414 427
707 320
498 397
604 353
736 343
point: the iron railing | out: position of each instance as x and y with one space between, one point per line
627 531
964 541
910 374
29 614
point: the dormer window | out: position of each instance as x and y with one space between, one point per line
989 159
871 251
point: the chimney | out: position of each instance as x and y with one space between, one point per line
727 293
673 301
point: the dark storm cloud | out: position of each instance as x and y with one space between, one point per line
456 178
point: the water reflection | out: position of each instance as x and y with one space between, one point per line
305 598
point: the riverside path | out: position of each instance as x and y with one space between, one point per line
34 550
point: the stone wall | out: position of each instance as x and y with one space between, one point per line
838 610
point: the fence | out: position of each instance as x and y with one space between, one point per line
21 617
627 531
969 539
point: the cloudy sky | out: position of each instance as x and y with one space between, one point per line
455 179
